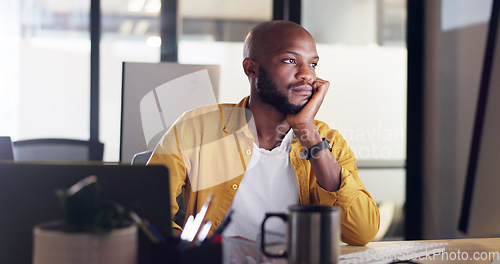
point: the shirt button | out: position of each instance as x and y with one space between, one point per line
248 152
217 223
234 186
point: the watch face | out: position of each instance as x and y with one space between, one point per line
328 143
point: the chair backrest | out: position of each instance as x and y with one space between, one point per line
58 149
141 158
6 151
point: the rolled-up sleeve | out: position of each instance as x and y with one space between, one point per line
360 217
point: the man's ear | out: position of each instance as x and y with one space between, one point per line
250 67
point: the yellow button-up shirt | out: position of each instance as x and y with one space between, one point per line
207 150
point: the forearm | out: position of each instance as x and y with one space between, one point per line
325 166
327 170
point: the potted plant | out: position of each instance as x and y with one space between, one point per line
94 230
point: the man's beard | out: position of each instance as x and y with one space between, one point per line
268 93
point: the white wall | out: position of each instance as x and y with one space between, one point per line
358 21
367 98
54 91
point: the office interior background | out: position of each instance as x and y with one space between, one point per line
45 79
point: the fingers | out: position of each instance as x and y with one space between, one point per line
320 89
321 85
307 114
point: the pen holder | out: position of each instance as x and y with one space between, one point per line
173 252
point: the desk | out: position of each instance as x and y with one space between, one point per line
486 249
476 250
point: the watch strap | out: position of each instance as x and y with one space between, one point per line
309 153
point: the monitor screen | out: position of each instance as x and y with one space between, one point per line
480 207
27 198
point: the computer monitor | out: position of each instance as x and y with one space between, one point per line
6 151
27 198
480 215
154 95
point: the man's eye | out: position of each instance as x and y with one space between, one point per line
314 64
292 61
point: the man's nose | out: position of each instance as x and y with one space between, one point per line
306 72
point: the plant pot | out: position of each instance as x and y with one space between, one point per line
51 245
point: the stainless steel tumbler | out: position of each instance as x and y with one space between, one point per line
313 234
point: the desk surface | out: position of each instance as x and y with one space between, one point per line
475 250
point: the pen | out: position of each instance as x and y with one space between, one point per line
153 230
187 228
148 229
223 225
198 219
203 233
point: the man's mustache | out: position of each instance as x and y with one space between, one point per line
294 85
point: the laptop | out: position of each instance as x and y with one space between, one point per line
27 198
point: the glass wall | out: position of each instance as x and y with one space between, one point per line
213 32
45 51
130 33
45 66
9 67
363 54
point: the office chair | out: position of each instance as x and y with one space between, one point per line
6 151
141 158
58 149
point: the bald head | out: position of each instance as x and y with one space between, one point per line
262 35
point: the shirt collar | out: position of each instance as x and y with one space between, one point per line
236 116
286 142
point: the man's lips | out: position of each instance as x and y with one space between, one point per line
303 90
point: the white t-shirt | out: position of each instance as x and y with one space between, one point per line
269 185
